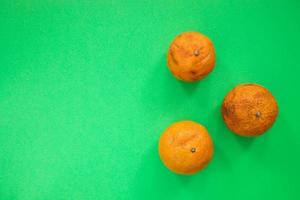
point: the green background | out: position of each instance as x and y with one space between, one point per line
85 94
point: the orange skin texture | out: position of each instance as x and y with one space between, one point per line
185 147
249 110
191 56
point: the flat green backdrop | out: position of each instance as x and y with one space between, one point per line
85 94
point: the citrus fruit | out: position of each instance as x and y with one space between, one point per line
185 147
249 110
191 56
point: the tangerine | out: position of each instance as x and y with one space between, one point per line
249 110
191 56
185 147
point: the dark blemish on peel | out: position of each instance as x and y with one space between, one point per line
193 150
229 109
193 72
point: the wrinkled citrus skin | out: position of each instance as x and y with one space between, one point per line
249 110
191 56
185 147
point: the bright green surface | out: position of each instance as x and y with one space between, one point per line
85 95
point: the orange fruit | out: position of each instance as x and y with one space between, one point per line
191 56
185 147
249 110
